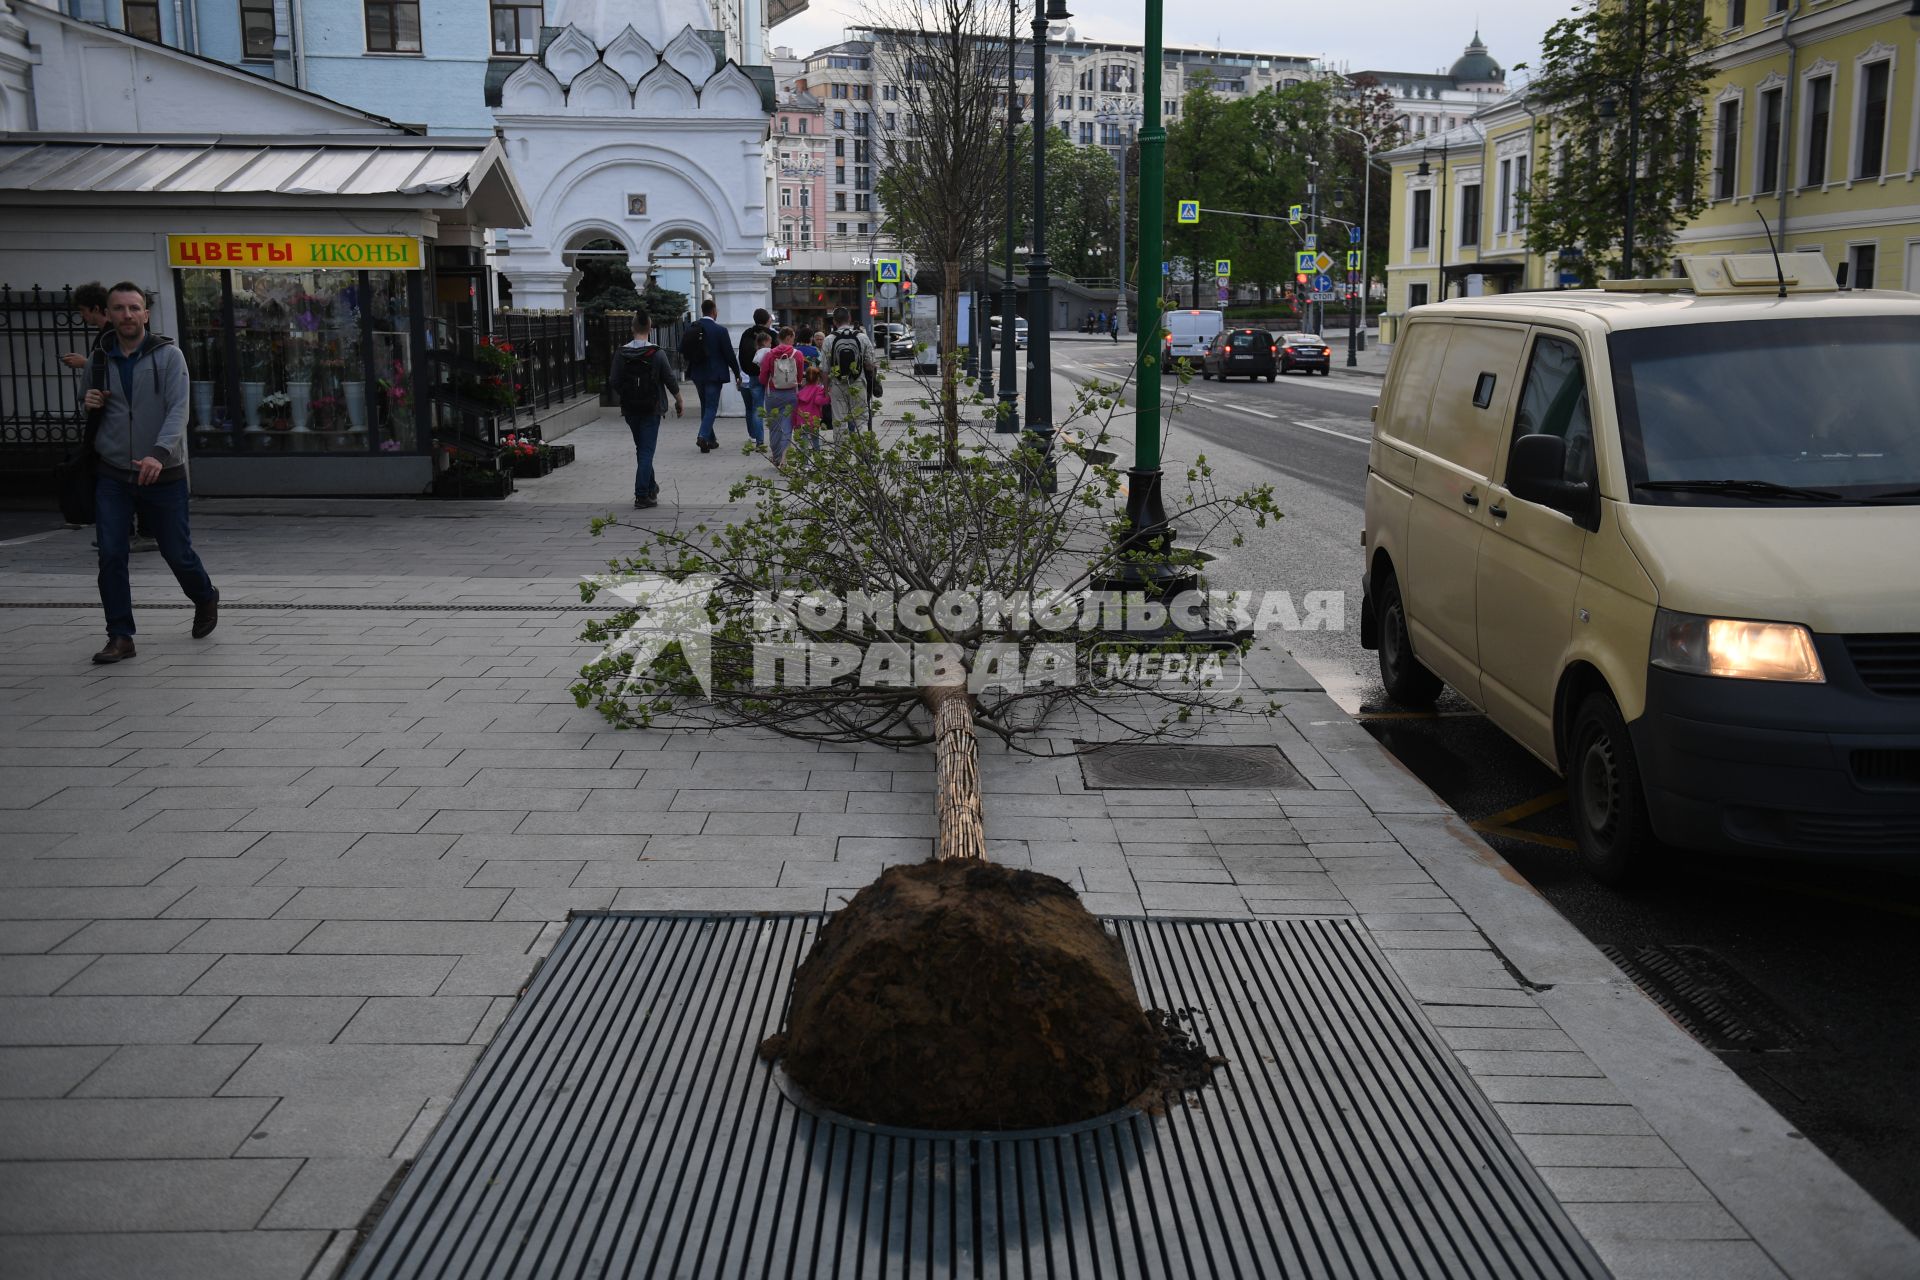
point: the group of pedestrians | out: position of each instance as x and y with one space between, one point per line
132 462
793 385
1107 322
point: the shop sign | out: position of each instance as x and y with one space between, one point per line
295 253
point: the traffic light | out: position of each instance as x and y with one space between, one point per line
1300 277
873 307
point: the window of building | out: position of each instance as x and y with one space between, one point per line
516 27
1522 169
1110 135
1470 215
1819 126
860 155
803 124
862 228
1726 151
393 26
1171 107
1086 103
860 201
786 197
1875 82
862 123
1416 296
839 228
1767 180
1860 265
890 92
141 18
839 119
1063 102
840 206
1501 223
891 122
863 178
1422 221
840 174
806 198
1086 133
837 91
1736 14
786 232
840 146
862 93
256 28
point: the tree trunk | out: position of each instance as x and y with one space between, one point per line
950 359
956 792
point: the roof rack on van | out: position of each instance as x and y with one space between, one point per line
1719 274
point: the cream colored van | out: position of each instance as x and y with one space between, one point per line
1667 536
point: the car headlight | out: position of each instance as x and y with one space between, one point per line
1735 647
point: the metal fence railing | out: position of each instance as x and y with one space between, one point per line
40 414
550 367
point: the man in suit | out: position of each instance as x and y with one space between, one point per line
711 364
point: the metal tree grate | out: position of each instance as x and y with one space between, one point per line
1153 766
620 1124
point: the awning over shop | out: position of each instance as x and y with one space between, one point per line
449 174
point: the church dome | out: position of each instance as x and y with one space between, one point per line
1476 66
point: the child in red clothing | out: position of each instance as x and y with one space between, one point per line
812 409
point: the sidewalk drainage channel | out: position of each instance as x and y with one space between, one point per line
620 1124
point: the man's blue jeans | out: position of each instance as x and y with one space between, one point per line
709 406
646 437
163 507
755 397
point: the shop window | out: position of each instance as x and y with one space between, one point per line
393 26
287 362
516 27
256 28
141 18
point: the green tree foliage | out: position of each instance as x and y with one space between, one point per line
606 284
1638 62
1083 186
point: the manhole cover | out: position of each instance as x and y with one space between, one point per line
620 1124
1156 766
1701 992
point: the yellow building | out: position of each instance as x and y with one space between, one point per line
1811 118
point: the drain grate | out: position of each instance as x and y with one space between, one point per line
621 1125
1717 1006
1155 766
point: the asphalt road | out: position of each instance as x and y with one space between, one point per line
1833 951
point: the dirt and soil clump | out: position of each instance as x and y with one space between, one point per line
967 995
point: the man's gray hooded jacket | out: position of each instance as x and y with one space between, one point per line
153 424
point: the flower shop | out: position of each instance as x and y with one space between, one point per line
299 277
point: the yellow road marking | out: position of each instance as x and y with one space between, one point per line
1506 817
1531 837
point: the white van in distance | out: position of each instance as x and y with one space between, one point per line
1186 334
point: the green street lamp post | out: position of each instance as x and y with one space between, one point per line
1040 288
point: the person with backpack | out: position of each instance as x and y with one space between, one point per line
643 379
749 375
711 364
852 372
781 373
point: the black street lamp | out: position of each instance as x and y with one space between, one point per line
1008 420
1040 290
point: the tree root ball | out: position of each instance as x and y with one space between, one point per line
966 995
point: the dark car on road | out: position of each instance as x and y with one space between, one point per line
1304 351
1240 352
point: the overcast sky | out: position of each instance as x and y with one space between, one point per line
1387 35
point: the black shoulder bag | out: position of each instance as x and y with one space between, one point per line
74 477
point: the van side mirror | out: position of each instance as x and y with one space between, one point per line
1536 471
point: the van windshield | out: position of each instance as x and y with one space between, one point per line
1800 412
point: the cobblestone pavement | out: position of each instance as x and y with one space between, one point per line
264 898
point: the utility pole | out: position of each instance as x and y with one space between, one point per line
1316 310
1040 303
1008 421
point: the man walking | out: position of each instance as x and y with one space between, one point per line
750 389
643 379
142 452
711 364
851 370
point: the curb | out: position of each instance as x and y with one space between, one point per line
1810 1218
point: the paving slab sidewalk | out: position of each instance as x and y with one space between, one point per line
265 898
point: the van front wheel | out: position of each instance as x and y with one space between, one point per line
1406 681
1604 796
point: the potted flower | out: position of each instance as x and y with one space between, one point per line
528 457
276 411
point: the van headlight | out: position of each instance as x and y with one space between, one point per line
1735 647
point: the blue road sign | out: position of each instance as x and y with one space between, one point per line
1166 268
1323 282
1353 235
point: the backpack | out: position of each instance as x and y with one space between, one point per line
638 383
786 371
693 345
845 354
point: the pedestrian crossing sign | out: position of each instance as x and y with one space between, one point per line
1189 211
1223 267
1293 213
1313 241
887 270
1353 260
1303 261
